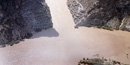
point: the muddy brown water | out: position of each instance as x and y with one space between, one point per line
65 45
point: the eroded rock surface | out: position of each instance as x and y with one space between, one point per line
114 14
20 19
99 61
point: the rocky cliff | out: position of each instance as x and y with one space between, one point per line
20 19
107 14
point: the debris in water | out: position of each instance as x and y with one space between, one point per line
127 56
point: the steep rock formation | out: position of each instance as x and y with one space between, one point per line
20 19
113 14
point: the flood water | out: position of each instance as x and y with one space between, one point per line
65 45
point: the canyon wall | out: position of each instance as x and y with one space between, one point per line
20 19
107 14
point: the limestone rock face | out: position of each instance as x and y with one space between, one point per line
20 19
113 23
93 13
125 25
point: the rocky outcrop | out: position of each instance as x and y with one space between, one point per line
114 14
20 19
99 61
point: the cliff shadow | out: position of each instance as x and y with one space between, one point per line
51 32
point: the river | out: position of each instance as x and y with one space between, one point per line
65 45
